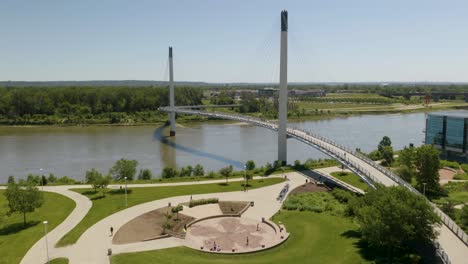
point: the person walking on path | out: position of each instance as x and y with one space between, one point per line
247 241
112 231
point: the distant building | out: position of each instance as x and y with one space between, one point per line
448 133
267 92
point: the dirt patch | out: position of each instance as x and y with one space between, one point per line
446 174
309 187
228 207
150 225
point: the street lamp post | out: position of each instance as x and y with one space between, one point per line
424 188
47 244
126 203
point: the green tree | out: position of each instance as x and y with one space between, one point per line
11 179
277 164
392 217
226 172
43 180
427 164
385 142
186 171
52 178
387 155
250 165
145 174
198 170
405 173
33 179
407 157
297 164
169 172
93 177
268 169
124 168
23 199
102 183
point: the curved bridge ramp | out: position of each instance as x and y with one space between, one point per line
452 242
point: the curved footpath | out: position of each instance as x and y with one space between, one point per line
93 244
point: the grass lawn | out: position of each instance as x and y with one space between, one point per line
15 241
115 201
461 176
315 238
59 261
457 193
350 178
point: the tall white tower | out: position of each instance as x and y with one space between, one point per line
283 89
171 94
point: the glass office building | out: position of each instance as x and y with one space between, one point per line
448 132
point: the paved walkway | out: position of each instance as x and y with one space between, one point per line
83 204
453 246
93 244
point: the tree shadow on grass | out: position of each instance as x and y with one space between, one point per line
382 256
88 193
17 227
223 184
97 198
120 191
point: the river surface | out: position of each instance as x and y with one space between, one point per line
73 150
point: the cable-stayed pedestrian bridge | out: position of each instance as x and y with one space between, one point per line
454 241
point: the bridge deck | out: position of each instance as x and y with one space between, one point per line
451 239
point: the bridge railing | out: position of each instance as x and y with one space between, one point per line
459 232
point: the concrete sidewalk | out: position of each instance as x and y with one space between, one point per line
83 205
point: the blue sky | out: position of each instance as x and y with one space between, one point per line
234 41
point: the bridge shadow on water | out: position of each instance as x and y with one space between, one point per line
159 136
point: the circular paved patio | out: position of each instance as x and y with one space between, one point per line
223 234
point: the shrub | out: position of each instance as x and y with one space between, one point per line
145 174
169 172
314 202
194 203
342 196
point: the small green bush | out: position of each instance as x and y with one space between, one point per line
342 196
194 203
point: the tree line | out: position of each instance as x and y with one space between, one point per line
65 101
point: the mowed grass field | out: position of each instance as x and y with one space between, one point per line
15 240
350 178
315 238
114 201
